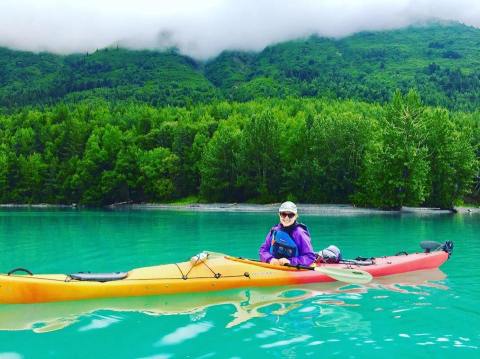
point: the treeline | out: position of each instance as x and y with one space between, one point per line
308 150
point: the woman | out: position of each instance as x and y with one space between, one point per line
289 241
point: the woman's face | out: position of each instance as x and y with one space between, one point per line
287 218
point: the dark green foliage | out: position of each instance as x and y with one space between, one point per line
326 148
140 126
396 167
158 170
219 165
452 159
315 151
229 69
440 60
420 156
259 161
112 74
367 66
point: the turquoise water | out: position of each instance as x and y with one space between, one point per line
431 313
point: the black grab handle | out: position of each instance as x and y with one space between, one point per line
19 270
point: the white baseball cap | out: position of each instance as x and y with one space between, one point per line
288 207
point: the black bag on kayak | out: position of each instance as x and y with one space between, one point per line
331 254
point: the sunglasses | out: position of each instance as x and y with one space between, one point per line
287 214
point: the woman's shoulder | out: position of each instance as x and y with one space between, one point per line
302 227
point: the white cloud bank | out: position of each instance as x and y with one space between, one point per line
204 28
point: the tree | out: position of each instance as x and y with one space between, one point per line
396 168
31 174
100 155
452 160
4 171
218 166
183 138
259 160
158 169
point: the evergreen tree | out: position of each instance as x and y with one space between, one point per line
452 160
219 167
259 160
396 169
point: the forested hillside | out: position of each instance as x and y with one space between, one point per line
383 119
440 61
28 79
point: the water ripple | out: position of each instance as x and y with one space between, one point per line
158 356
10 356
281 343
100 323
266 333
185 333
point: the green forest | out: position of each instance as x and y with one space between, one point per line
442 62
377 119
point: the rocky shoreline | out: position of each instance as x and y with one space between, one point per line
336 209
303 208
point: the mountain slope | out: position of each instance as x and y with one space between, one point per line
440 60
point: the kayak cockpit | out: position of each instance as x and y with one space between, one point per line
98 277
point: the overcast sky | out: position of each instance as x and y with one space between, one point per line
204 28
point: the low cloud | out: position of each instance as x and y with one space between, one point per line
204 28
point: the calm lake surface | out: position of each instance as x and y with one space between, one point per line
430 313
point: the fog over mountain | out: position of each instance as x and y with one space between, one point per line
204 28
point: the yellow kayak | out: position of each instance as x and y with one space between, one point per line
246 304
215 272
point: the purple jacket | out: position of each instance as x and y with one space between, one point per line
301 238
